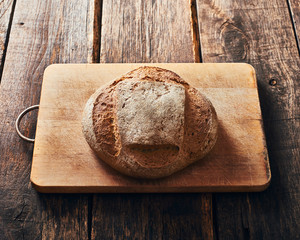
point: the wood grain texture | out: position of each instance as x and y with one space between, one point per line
64 162
51 31
152 216
6 13
260 33
146 31
149 31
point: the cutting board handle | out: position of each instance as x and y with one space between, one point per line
22 114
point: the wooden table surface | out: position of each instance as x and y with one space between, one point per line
37 33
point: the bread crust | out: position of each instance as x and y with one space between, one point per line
101 130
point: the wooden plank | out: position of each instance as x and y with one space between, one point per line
6 12
260 33
274 58
64 162
138 31
43 32
145 31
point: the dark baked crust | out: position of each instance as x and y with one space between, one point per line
200 130
152 74
104 122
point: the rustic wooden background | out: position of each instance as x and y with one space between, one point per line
36 33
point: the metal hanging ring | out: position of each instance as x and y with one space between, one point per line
22 114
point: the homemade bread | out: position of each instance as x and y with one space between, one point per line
149 123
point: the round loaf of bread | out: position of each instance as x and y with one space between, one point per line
149 123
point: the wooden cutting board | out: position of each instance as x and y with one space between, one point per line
64 162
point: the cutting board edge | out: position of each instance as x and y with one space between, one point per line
153 189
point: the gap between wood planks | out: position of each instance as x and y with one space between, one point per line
97 31
293 20
95 59
195 32
199 59
7 38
